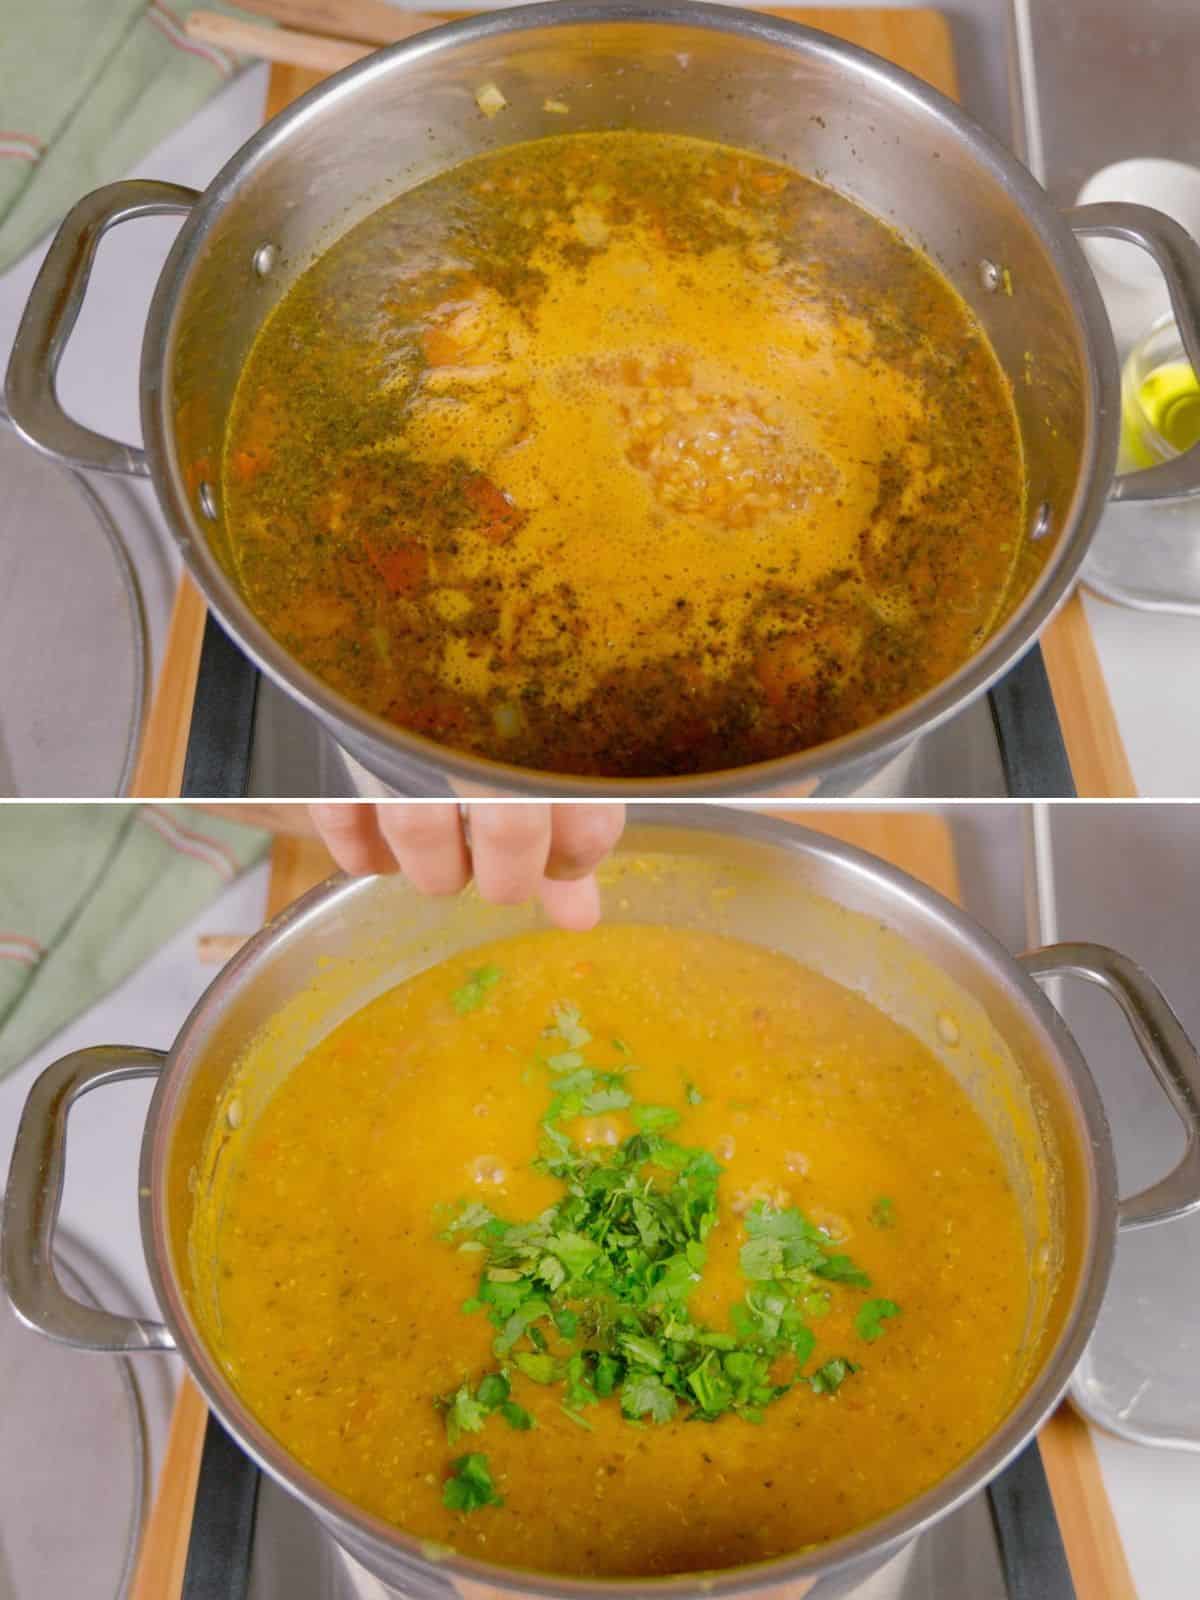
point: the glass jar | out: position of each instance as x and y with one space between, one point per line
1160 399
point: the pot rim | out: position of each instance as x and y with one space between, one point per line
878 1539
847 758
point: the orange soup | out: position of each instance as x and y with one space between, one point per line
622 1254
625 454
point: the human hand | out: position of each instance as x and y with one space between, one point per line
515 850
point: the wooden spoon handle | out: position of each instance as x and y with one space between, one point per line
274 44
365 21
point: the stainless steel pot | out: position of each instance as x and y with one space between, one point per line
404 114
879 135
836 908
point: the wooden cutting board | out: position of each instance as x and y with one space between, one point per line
918 40
919 843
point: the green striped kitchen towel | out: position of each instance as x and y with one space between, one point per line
89 892
87 88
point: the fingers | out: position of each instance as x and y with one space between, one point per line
574 904
581 836
350 832
510 845
427 842
516 851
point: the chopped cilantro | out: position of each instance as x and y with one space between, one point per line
541 1368
645 1394
871 1317
470 1485
655 1119
840 1269
565 1061
829 1378
601 1100
464 1414
592 1296
568 1026
493 1390
470 1219
883 1213
475 991
711 1387
516 1416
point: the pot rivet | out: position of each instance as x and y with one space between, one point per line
990 275
265 258
208 501
1041 521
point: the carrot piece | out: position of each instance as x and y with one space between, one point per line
500 518
769 182
403 569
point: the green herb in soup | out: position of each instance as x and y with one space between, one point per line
625 454
591 1297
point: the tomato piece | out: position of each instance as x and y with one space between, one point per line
403 569
499 516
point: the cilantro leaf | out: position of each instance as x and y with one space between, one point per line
644 1351
601 1100
541 1368
519 1323
579 1388
574 1251
516 1416
475 991
607 1376
655 1119
883 1213
694 1097
566 1061
840 1269
645 1394
470 1485
493 1390
829 1378
568 1026
578 1081
470 1219
464 1414
711 1387
871 1317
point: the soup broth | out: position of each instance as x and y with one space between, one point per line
625 454
622 1254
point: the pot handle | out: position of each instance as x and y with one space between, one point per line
1166 1048
50 315
31 1202
1177 256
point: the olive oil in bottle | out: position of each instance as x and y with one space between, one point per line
1160 399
